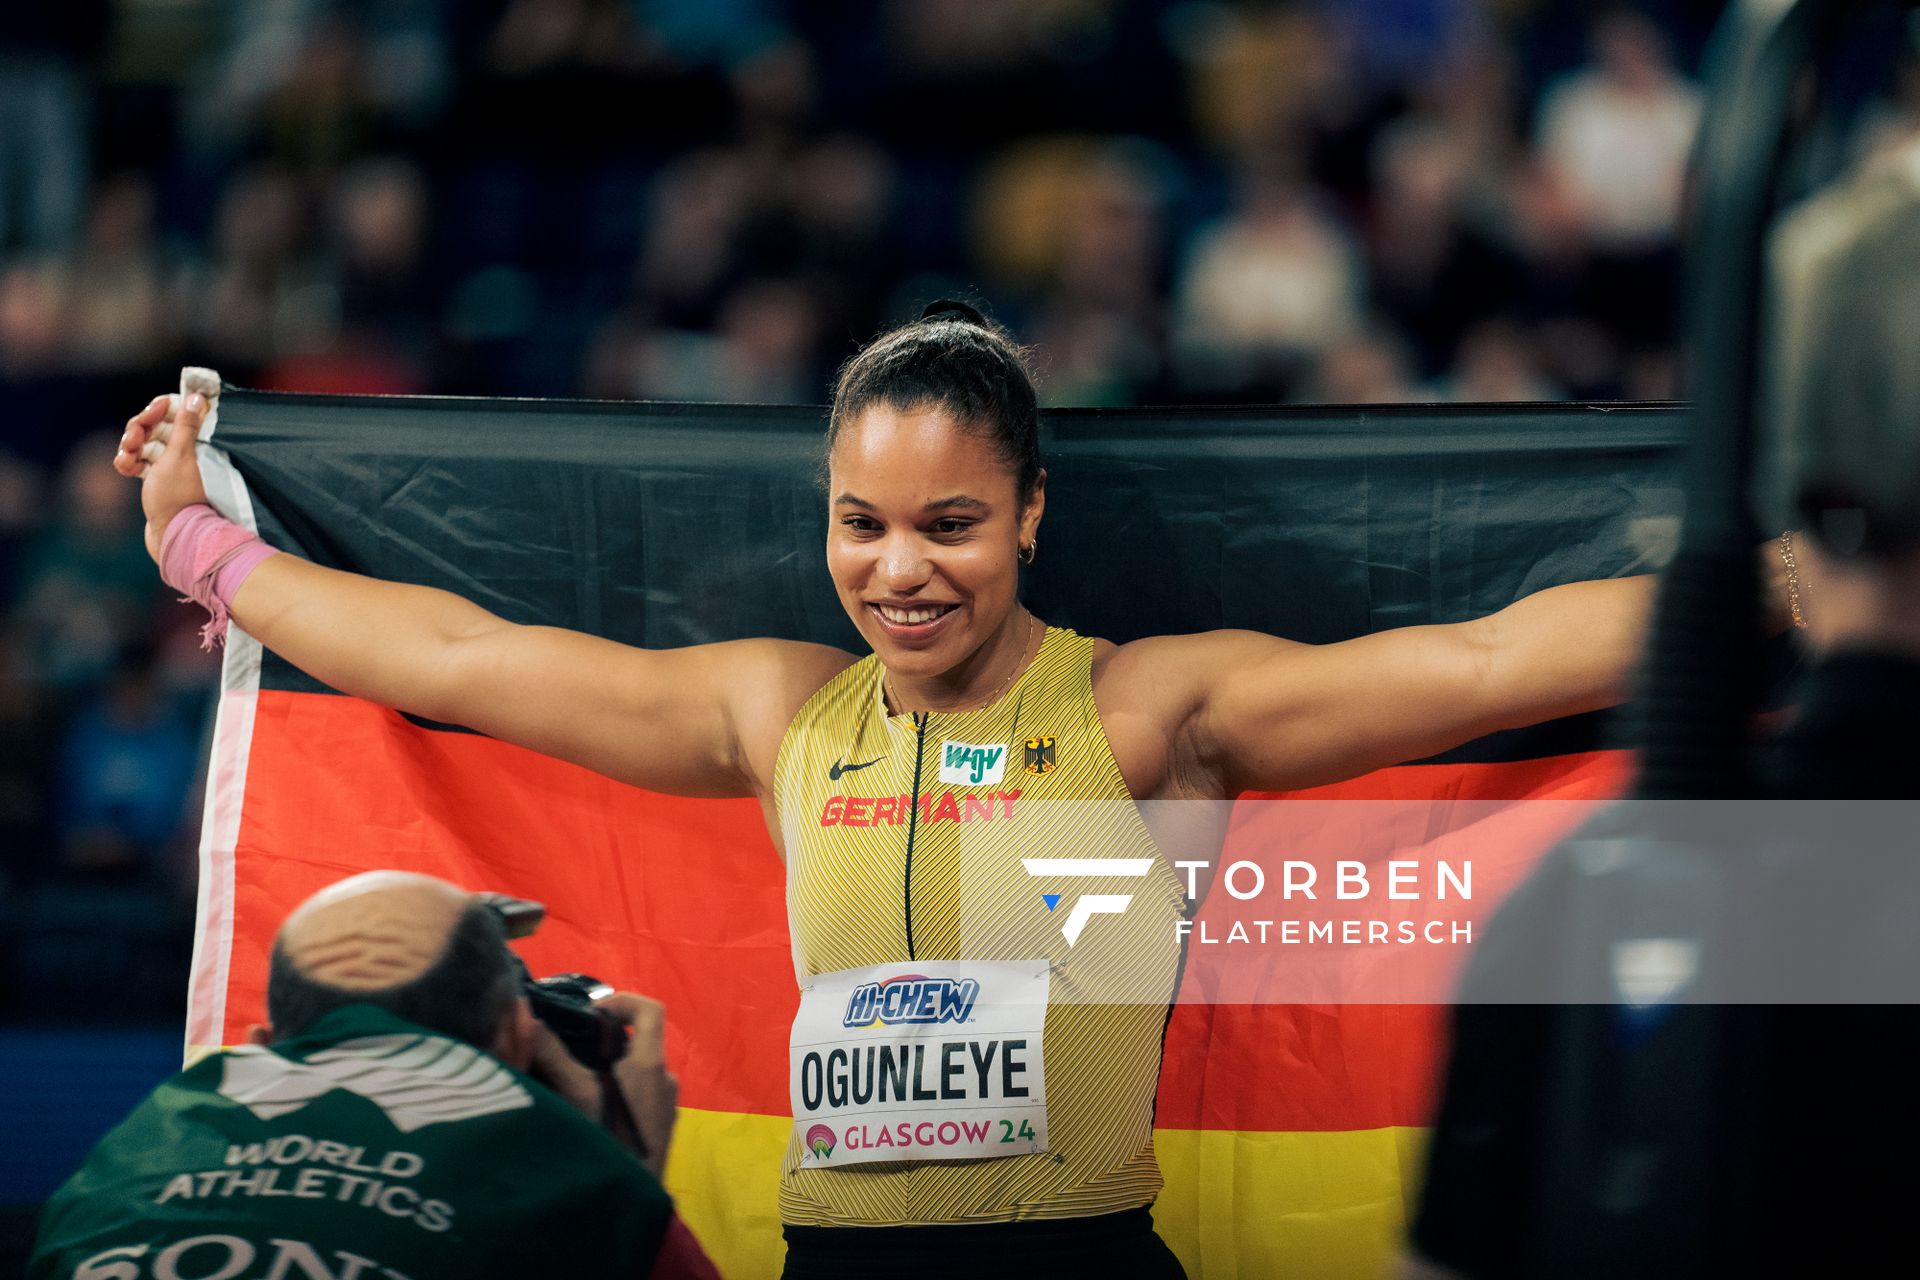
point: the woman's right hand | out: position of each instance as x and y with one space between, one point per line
158 449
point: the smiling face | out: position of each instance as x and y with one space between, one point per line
924 527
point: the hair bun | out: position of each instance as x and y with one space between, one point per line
952 309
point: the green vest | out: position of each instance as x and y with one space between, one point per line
365 1149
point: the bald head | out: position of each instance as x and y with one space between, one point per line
375 930
419 947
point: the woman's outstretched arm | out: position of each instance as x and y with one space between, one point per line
704 720
1250 712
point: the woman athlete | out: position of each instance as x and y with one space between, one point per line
905 788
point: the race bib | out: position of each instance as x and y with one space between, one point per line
921 1060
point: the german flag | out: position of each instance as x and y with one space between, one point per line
1288 1134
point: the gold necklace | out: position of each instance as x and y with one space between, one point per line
1019 661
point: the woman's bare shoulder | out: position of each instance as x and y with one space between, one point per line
773 679
1150 693
1173 671
1139 696
778 676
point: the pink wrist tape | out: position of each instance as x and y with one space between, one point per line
206 557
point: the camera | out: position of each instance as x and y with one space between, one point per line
565 1002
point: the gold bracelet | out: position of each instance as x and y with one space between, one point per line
1793 579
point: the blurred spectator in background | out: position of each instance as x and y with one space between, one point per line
1497 363
46 51
1265 291
764 351
361 325
258 261
36 310
1617 133
1437 268
119 319
312 82
1367 368
1073 229
85 586
123 769
1615 137
379 217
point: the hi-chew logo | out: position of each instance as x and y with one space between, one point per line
972 764
911 999
1087 905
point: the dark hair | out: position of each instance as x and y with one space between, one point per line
466 993
955 359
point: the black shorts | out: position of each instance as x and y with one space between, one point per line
1113 1246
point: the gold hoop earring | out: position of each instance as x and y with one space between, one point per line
1027 553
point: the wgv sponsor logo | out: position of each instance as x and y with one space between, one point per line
911 999
971 764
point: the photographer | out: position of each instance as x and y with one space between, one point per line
382 1126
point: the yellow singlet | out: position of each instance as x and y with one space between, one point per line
896 853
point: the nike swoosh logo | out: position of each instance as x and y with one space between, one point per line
833 774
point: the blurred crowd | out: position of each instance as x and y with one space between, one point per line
1204 201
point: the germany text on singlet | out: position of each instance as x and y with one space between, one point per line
956 1058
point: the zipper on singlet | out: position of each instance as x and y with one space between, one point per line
913 819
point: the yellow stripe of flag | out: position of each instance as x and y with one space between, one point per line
1237 1206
